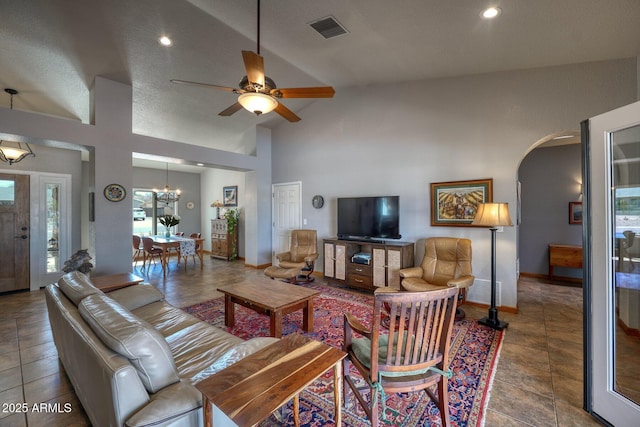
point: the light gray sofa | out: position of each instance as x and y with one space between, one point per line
133 359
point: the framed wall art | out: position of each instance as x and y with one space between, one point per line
230 195
575 212
454 204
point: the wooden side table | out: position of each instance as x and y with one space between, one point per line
112 282
253 388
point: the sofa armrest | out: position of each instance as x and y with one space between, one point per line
172 402
411 272
136 296
461 282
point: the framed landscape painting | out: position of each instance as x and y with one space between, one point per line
455 203
575 212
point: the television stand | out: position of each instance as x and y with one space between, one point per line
344 263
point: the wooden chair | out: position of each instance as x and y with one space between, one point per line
150 251
411 355
137 249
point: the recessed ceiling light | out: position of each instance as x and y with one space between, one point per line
491 12
199 164
165 41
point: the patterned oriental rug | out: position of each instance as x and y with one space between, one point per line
474 355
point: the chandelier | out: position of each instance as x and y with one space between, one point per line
167 195
12 152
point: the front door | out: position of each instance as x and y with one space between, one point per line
611 158
14 232
287 215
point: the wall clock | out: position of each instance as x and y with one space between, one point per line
115 192
317 201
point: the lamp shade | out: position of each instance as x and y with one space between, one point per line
257 103
492 215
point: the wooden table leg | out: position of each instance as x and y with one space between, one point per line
207 414
337 392
307 316
163 260
229 311
296 410
275 324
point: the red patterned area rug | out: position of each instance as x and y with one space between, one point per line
474 355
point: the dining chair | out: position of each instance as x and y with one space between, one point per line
137 249
410 355
150 251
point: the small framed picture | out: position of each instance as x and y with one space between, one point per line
575 212
455 203
230 195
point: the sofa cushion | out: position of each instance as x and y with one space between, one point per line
133 338
76 286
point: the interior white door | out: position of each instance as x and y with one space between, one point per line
287 215
612 163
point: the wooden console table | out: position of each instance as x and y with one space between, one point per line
250 390
564 256
112 282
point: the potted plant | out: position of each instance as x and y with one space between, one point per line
169 221
232 216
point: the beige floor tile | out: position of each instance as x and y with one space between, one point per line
521 405
497 419
41 368
10 378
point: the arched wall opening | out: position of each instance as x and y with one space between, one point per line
549 191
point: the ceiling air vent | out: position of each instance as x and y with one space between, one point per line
328 27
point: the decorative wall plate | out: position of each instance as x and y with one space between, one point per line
191 205
115 192
317 201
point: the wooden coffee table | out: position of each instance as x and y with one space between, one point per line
248 391
270 297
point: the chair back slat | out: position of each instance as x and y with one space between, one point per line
419 329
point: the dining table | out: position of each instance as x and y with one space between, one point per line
183 245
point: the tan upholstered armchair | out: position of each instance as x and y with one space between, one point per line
446 262
297 264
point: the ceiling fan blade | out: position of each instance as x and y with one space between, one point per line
286 113
207 85
304 92
229 111
254 64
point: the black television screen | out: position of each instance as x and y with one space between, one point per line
364 218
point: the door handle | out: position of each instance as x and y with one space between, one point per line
23 237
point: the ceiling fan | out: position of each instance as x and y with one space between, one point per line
258 93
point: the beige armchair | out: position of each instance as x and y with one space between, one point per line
446 262
297 264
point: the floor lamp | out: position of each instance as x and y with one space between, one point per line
493 215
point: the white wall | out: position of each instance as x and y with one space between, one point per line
113 143
397 139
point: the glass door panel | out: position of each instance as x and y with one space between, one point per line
52 203
625 194
611 160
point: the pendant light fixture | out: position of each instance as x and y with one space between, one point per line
167 196
12 152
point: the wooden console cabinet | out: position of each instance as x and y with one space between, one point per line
222 242
386 260
564 256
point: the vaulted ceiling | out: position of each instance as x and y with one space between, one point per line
50 50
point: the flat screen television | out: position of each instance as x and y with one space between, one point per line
366 218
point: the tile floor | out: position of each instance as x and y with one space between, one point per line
538 381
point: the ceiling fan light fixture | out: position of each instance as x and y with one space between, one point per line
257 103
